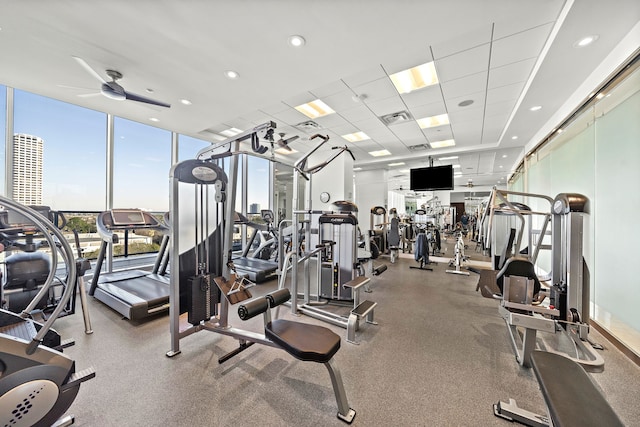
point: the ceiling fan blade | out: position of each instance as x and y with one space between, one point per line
139 98
89 70
293 138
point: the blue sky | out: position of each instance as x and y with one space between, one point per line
75 157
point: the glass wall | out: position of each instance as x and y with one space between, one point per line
188 147
3 129
73 159
596 155
142 159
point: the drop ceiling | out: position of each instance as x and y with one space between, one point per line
494 60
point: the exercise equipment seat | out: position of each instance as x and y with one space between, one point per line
522 267
309 343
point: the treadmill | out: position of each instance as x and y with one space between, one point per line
134 293
258 270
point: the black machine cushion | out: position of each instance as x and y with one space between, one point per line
309 343
571 396
521 267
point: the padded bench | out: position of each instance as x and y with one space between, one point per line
306 342
571 396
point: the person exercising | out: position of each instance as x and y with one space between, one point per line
464 220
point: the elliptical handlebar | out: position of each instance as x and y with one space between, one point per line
48 229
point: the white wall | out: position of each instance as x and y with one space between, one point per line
371 190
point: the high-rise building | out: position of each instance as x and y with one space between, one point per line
254 208
27 169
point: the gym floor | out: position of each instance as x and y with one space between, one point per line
440 356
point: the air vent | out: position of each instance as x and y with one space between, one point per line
419 147
395 118
309 125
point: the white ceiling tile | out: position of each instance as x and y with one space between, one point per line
500 108
331 120
512 73
462 115
376 90
428 95
504 93
341 101
439 133
275 108
428 110
523 45
463 64
330 89
303 98
257 117
407 130
357 113
463 42
466 85
364 77
386 106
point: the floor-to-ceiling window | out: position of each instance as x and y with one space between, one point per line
3 129
142 159
73 150
188 147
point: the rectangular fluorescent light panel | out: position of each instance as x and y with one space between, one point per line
357 169
231 132
396 164
380 153
315 109
415 78
433 121
442 144
448 158
356 136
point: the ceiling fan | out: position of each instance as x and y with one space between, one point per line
284 143
111 89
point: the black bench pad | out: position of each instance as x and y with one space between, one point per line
309 343
571 396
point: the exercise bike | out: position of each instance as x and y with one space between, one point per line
38 383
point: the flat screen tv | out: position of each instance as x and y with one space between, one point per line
432 178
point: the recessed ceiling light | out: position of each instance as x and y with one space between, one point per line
232 75
465 103
514 137
433 121
185 101
415 78
315 109
153 119
396 164
296 41
380 153
356 136
448 158
442 144
500 166
585 41
357 169
504 156
535 108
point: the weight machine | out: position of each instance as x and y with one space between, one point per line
337 237
518 286
203 279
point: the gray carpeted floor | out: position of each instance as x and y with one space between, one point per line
440 356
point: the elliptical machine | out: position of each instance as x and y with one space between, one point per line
37 382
